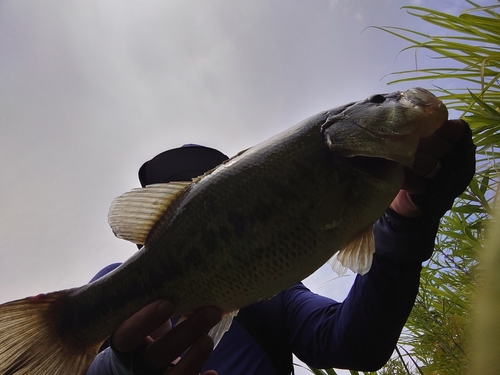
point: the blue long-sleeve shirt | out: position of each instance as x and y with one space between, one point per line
359 333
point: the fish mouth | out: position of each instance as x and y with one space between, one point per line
387 126
421 98
423 101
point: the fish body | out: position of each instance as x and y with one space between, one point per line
253 226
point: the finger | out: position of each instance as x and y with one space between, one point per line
413 184
435 145
194 359
452 130
441 142
132 332
404 205
167 348
425 165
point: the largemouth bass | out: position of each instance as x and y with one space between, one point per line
242 232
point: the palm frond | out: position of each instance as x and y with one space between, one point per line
464 58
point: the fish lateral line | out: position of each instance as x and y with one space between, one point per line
41 335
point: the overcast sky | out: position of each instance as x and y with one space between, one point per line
89 90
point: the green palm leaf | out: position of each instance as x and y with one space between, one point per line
465 60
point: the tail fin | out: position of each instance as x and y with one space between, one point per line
29 343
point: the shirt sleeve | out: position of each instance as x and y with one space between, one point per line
106 363
361 332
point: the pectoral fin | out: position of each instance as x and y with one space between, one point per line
222 327
133 214
357 255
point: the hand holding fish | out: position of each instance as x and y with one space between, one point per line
146 343
242 232
444 165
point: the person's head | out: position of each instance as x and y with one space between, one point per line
180 164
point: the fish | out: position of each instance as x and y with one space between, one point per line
240 233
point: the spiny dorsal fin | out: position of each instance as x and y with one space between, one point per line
133 214
357 255
197 179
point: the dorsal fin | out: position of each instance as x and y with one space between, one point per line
197 179
357 255
133 214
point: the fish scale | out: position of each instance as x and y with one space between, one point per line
240 233
243 192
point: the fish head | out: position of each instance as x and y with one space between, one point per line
387 126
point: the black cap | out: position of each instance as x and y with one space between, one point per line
180 164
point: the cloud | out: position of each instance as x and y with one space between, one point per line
359 17
90 90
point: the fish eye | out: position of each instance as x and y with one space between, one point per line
376 98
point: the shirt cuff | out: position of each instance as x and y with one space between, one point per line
405 239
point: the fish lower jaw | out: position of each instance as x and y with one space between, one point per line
432 108
420 97
433 112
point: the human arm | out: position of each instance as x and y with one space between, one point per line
361 332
